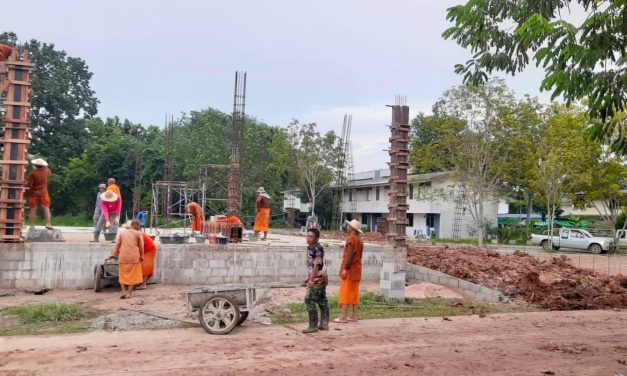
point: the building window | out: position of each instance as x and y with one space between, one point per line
410 220
377 194
368 195
411 191
350 195
423 187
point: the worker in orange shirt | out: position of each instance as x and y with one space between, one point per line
37 192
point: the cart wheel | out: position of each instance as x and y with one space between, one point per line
98 274
218 315
242 317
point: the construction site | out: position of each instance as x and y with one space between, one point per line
499 307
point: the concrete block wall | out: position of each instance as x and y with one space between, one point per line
61 265
468 289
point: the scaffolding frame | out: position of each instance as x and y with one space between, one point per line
15 103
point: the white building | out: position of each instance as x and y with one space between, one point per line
431 203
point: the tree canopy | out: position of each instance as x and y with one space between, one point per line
585 60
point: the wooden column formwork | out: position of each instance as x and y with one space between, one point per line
399 164
15 72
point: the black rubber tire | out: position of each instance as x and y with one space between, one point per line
242 317
544 244
556 248
595 249
218 315
98 276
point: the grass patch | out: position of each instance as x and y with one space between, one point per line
373 306
45 318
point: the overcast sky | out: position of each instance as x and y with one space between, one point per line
313 60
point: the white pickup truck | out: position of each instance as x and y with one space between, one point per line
574 238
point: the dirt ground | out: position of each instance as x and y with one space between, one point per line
546 343
168 302
555 283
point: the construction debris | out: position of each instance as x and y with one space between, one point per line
554 284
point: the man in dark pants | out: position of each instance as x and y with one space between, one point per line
316 284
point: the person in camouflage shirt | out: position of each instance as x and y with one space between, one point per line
316 284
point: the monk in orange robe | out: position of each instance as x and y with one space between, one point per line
150 251
113 187
350 272
262 219
129 248
198 216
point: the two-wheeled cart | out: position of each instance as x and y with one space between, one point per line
221 308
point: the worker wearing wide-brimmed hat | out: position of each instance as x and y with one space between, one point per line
37 191
110 218
262 218
350 272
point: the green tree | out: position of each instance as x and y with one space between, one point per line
580 60
605 191
565 158
61 99
469 137
317 157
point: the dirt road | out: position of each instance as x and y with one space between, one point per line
565 343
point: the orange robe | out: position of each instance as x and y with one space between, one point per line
262 219
198 216
349 287
37 192
150 251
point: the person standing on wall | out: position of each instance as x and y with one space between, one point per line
350 272
37 192
262 218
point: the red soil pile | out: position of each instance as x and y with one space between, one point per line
554 284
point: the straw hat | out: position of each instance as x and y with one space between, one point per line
108 196
39 162
262 191
355 224
102 186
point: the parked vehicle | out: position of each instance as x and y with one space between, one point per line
574 238
621 236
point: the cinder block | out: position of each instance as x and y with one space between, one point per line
183 264
217 264
12 253
200 264
389 267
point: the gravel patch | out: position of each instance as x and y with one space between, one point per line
127 320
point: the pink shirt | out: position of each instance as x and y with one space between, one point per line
111 208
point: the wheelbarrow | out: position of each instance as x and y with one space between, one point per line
106 274
221 308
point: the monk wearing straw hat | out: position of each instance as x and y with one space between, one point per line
129 248
350 272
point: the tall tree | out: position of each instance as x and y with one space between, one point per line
605 191
564 158
61 99
468 134
316 158
580 60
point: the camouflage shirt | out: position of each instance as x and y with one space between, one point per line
315 258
